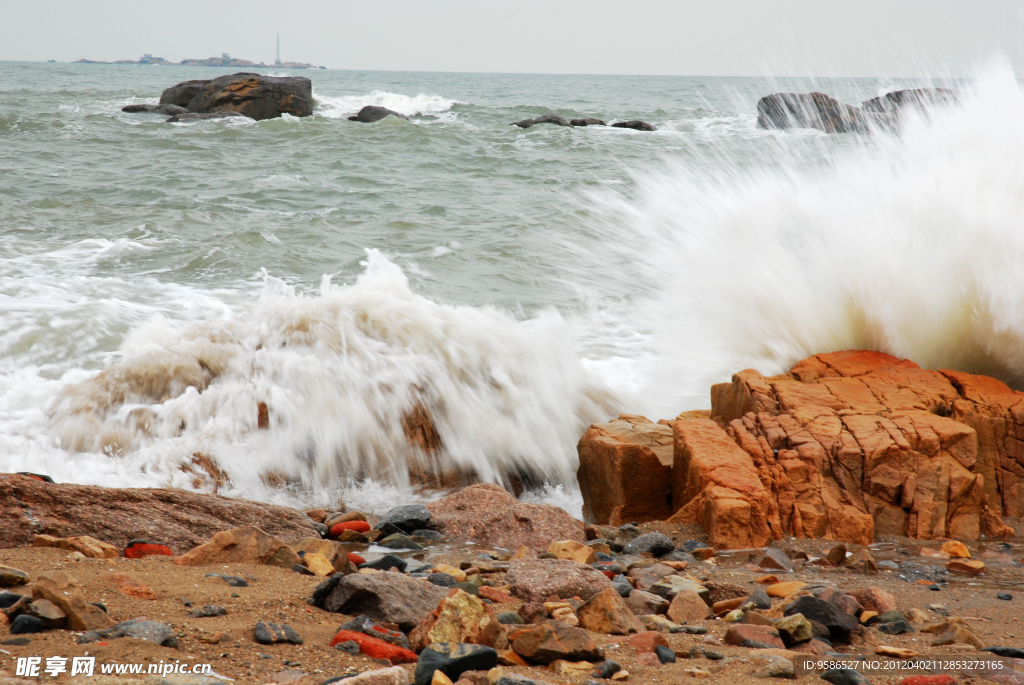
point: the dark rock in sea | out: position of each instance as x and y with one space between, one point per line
150 631
453 659
274 633
635 124
192 116
810 110
844 676
26 624
372 113
1007 652
587 122
919 98
350 647
442 580
208 611
408 517
252 95
549 118
169 110
657 544
606 669
386 562
182 93
838 622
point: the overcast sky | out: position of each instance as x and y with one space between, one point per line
681 37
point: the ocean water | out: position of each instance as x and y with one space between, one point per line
158 282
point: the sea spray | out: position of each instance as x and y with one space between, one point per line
339 373
911 244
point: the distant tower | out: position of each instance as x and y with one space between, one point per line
278 60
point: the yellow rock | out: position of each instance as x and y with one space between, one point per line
369 571
574 551
318 564
455 573
620 675
785 589
550 607
565 615
956 549
915 615
89 546
696 672
867 616
440 679
571 668
970 566
523 553
898 652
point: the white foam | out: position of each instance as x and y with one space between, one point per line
409 105
910 245
339 371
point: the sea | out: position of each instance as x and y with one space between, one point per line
161 282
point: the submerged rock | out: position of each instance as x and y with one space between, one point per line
253 95
549 118
810 110
373 113
168 109
635 124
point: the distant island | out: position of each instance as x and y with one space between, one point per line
224 60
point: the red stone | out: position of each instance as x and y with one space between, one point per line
929 680
357 526
495 595
646 642
356 559
144 549
375 648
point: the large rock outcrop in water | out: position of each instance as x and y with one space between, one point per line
817 110
845 446
179 519
252 95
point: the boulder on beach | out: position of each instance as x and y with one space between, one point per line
372 113
489 515
844 446
810 110
253 95
179 519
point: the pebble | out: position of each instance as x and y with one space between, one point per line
233 581
844 676
1008 652
510 618
208 611
622 586
442 580
664 654
273 633
349 647
385 563
26 624
777 667
690 630
606 670
1004 595
8 599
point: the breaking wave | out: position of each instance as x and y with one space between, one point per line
409 105
910 244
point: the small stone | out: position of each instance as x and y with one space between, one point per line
622 586
442 580
606 670
470 588
691 630
664 654
510 618
658 623
740 633
550 641
399 541
887 565
607 613
350 647
898 652
234 581
621 675
642 603
794 629
777 667
783 590
273 633
1008 652
956 549
759 598
837 554
895 627
208 611
875 599
386 563
687 606
656 544
574 551
302 570
862 561
48 612
648 660
1004 596
408 517
138 549
9 577
844 676
26 624
967 566
453 659
669 586
774 559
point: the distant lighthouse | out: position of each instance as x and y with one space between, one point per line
277 62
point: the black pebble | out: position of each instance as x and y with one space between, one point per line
665 655
26 624
442 580
1008 652
8 599
349 647
17 642
1004 595
933 588
606 670
235 581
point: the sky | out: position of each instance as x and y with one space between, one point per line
643 37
